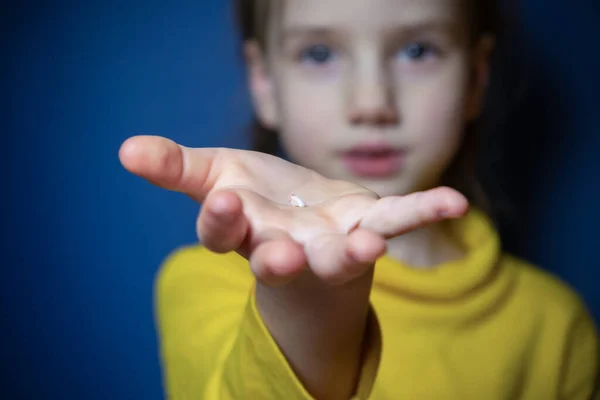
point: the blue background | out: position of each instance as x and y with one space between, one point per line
82 239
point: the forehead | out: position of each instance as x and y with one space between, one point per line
374 14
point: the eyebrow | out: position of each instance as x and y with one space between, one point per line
402 30
309 31
428 26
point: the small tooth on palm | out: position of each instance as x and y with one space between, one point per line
296 201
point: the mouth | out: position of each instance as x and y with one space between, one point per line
373 160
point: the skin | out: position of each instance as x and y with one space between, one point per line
314 265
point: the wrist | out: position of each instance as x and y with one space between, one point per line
309 294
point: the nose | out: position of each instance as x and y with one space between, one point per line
371 97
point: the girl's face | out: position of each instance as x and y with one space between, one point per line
372 91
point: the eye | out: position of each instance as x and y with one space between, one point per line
319 54
416 51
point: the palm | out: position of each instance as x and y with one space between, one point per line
264 184
245 208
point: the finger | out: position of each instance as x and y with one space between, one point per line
169 165
365 247
338 258
277 261
222 226
197 171
395 215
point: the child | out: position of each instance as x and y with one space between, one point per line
371 277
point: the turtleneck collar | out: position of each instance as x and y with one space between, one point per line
450 281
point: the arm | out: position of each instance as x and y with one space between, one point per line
214 344
339 236
321 331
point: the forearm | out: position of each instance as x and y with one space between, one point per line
320 329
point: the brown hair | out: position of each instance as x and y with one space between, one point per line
484 15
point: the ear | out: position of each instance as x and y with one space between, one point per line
261 85
480 73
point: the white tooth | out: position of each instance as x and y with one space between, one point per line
296 201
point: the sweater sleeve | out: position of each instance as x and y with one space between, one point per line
213 343
581 369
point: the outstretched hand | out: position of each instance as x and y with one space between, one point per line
245 198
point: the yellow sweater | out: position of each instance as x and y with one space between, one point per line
486 327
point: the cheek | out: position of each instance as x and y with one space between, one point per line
311 103
299 145
307 120
436 111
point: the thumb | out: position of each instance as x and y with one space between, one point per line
168 165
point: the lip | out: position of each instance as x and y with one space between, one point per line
374 160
